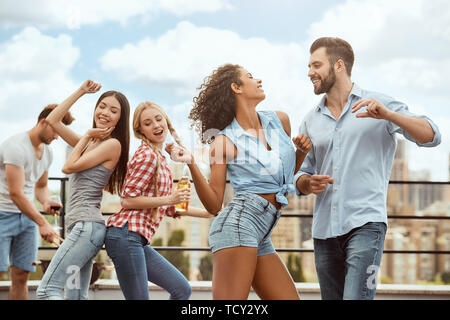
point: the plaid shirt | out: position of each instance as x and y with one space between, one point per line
138 182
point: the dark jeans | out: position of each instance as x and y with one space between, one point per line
347 266
136 263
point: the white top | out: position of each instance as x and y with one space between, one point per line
18 150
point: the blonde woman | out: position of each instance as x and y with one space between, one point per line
147 197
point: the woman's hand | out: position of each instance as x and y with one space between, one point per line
99 133
302 143
90 86
180 195
178 153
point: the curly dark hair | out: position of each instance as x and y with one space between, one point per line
215 106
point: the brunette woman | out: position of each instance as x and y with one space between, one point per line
96 163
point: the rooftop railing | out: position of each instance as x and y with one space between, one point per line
63 189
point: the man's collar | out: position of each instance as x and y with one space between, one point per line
356 91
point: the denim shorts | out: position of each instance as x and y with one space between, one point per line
18 241
247 221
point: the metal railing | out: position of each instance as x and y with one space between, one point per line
63 189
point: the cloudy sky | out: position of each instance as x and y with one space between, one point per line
161 50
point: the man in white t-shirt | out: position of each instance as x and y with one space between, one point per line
24 162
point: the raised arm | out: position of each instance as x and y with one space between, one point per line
107 153
56 116
210 193
418 128
302 142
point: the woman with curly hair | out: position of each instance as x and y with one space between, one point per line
255 150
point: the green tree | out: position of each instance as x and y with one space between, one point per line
157 242
445 277
294 265
206 267
178 258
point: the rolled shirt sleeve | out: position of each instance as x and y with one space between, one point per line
402 108
308 166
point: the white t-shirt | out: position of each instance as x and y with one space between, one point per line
18 150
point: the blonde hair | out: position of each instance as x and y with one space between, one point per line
138 134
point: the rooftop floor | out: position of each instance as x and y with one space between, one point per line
201 290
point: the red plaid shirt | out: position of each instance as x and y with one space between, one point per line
138 182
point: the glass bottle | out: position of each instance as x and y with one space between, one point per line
184 182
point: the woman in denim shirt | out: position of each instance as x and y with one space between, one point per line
256 151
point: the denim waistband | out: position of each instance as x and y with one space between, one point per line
256 200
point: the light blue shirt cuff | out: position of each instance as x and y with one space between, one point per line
296 177
437 135
436 139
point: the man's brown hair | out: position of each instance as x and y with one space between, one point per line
68 119
336 49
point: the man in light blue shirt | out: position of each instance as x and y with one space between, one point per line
348 168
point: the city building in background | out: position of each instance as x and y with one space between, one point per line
404 199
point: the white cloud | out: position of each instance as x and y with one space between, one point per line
35 71
417 73
439 11
180 59
30 55
371 24
73 14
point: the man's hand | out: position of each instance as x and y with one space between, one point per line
49 235
374 109
50 207
318 183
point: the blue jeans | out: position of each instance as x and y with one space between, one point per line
347 266
136 264
71 266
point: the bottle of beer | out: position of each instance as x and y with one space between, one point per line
184 183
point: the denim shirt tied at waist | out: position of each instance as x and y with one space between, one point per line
256 169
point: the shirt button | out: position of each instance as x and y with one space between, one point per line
336 148
337 129
334 207
336 188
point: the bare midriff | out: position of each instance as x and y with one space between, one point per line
271 197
